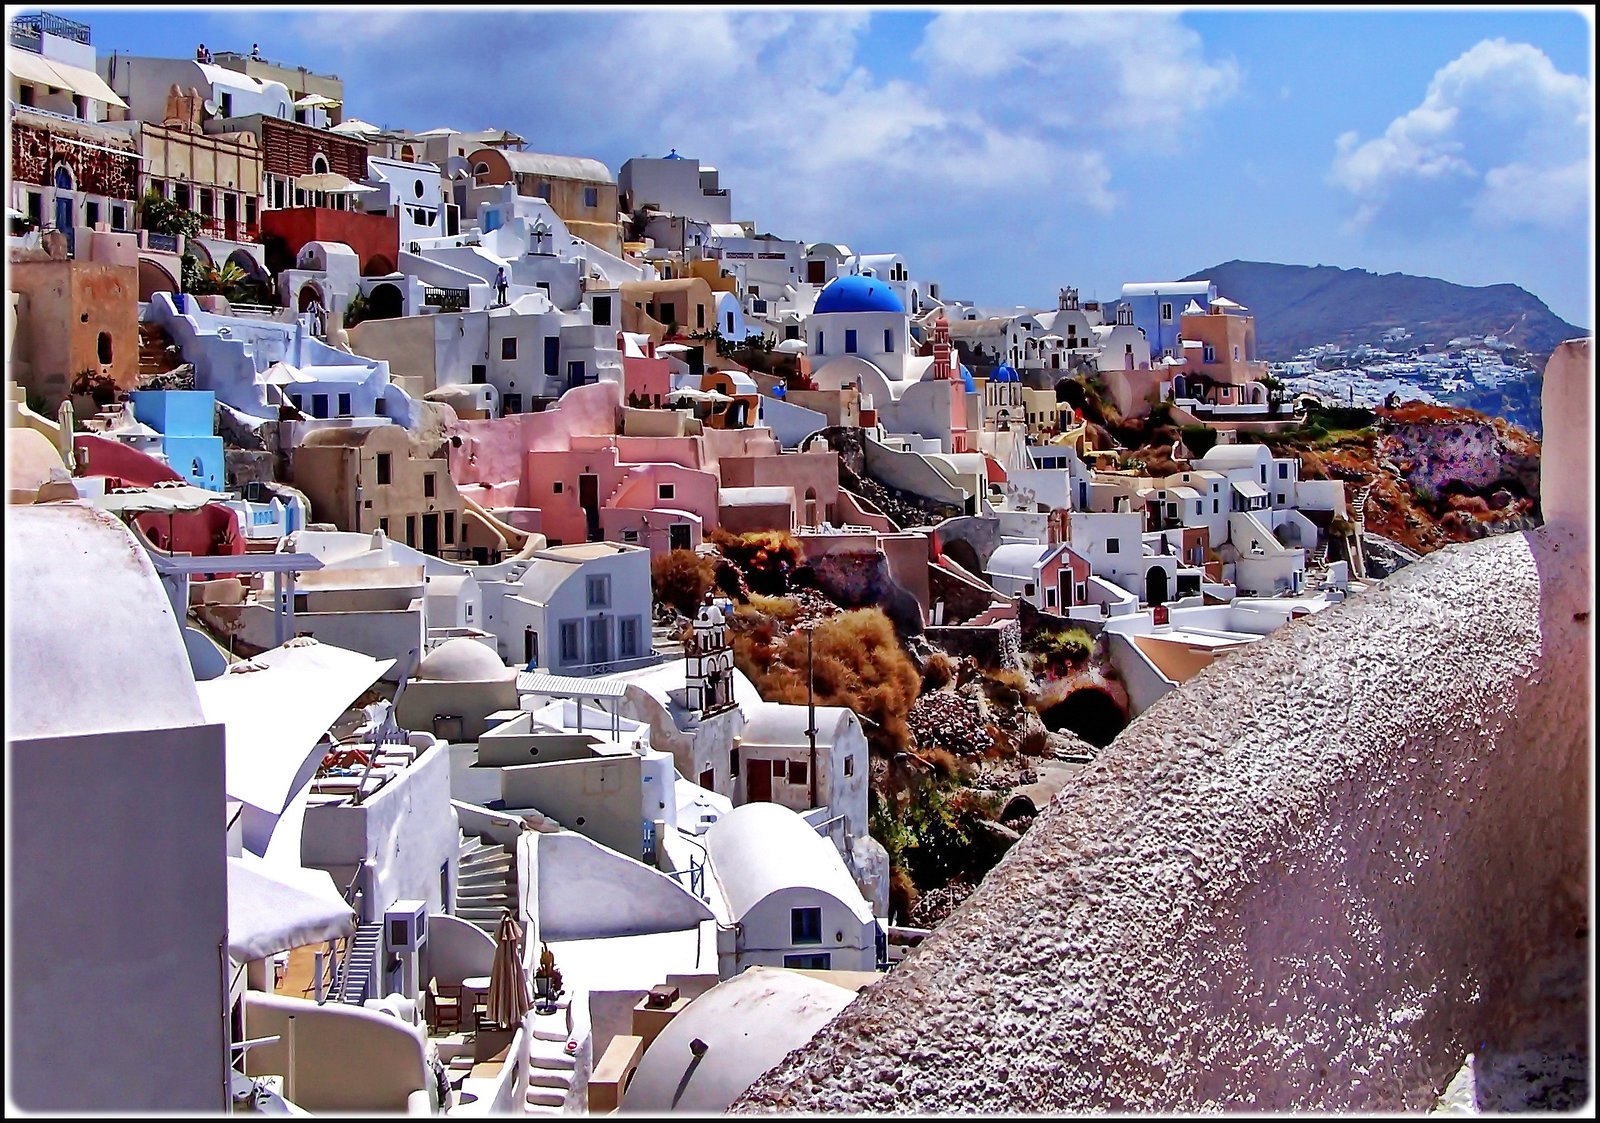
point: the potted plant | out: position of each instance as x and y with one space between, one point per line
546 981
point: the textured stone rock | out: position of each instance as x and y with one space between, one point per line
1385 555
1313 878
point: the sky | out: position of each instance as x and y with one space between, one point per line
1008 152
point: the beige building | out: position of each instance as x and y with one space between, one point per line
651 307
216 175
582 192
77 323
378 479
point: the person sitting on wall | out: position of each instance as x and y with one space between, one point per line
255 52
201 54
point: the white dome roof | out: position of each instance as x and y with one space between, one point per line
462 660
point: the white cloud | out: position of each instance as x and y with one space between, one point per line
1500 134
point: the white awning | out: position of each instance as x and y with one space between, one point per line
276 717
331 183
273 908
166 499
568 686
35 68
1249 490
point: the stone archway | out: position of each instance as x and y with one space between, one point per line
963 554
308 294
384 302
1090 713
153 279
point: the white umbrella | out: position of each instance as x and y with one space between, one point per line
793 347
509 998
331 183
316 101
673 348
355 126
282 374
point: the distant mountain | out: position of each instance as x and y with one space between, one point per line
1298 306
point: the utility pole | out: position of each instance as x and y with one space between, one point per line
811 712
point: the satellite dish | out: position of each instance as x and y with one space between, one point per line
211 108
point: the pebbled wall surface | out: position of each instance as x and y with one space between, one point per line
1315 878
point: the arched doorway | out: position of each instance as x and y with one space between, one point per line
384 302
961 552
1155 586
154 279
811 506
1090 713
378 266
66 207
308 295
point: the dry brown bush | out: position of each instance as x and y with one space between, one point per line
767 558
937 672
681 579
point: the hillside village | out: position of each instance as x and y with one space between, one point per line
580 608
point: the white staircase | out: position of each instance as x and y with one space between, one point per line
355 984
550 1069
486 883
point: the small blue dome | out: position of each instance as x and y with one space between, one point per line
858 294
966 376
1004 373
673 155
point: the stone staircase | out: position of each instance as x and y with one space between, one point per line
157 353
486 882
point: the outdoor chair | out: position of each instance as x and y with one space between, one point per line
444 1005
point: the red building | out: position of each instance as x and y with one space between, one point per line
374 237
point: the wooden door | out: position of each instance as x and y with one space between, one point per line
758 781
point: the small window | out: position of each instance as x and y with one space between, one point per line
888 341
25 94
822 962
119 217
733 763
513 404
91 213
383 525
383 468
1050 598
1166 313
1283 471
411 530
599 592
1210 355
103 348
798 772
631 537
669 313
555 488
319 164
699 315
1112 546
849 341
602 311
821 349
850 765
508 348
570 639
665 491
591 196
427 485
628 637
344 405
1027 590
480 373
319 405
450 534
805 926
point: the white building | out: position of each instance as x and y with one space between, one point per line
583 609
785 895
410 189
675 184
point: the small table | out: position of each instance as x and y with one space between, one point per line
471 988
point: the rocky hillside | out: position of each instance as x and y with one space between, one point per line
1298 306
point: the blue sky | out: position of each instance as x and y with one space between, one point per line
1007 153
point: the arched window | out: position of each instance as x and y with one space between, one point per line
103 345
63 178
408 154
319 164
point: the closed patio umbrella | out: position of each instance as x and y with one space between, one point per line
509 997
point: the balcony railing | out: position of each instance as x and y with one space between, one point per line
48 23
